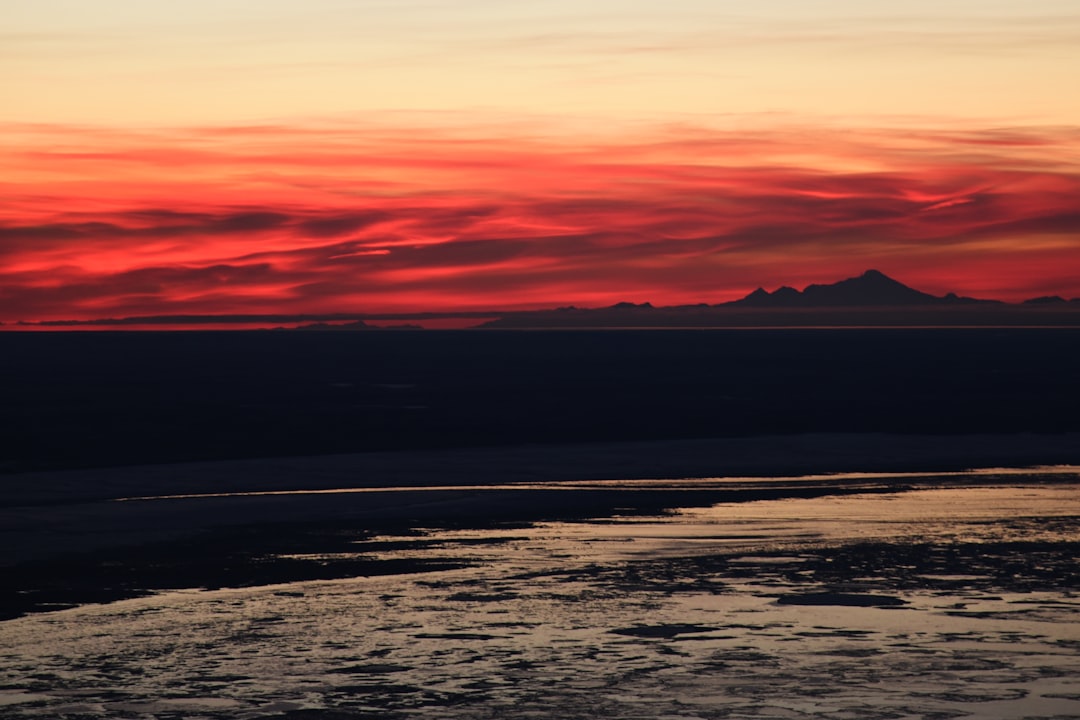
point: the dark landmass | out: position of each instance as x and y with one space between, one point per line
871 289
870 300
266 319
750 316
355 326
1049 300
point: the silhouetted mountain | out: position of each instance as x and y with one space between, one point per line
870 300
786 293
871 289
954 299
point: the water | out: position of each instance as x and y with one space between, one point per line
114 398
954 601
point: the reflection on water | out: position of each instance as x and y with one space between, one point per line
851 479
951 602
971 514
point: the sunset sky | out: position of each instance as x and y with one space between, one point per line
313 156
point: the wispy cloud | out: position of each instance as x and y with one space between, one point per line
351 219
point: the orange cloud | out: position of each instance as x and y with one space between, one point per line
353 219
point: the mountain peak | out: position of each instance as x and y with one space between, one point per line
758 294
872 288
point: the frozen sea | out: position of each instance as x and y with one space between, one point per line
908 596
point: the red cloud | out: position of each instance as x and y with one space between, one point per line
274 220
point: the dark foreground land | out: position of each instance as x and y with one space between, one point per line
71 400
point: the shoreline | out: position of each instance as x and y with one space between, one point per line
68 535
761 456
46 515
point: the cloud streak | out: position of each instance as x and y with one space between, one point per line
376 219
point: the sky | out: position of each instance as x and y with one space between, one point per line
315 156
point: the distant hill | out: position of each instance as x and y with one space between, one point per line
356 326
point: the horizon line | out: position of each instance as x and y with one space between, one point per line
981 307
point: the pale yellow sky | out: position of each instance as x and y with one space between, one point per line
121 62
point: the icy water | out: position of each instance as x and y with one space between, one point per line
938 602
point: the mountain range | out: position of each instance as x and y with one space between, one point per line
871 299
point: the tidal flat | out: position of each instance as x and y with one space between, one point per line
861 596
